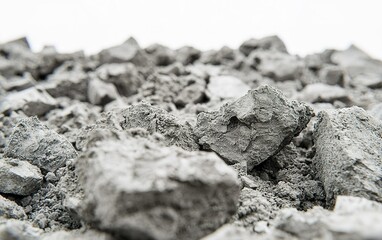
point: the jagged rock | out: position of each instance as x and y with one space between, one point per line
124 76
348 153
376 111
277 65
17 83
252 128
352 218
363 70
19 177
34 142
332 75
129 51
69 80
32 101
266 43
226 87
101 93
154 119
11 229
156 192
162 55
77 235
187 55
9 209
324 93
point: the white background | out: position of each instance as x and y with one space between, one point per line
306 26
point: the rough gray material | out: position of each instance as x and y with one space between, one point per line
129 51
101 93
19 177
18 230
155 119
321 93
230 232
252 128
141 190
9 209
226 87
32 101
266 43
32 141
77 235
349 153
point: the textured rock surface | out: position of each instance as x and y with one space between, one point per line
226 87
349 153
266 43
77 235
252 128
18 230
34 142
140 190
9 209
19 177
101 93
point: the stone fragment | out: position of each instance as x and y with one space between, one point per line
187 55
161 55
19 177
376 111
34 142
101 93
129 51
324 93
154 119
32 101
266 43
11 229
124 76
352 218
9 209
230 232
138 189
348 153
17 83
226 87
252 128
332 75
277 65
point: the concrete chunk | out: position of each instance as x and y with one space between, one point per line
349 153
32 141
101 93
9 209
19 177
138 189
252 128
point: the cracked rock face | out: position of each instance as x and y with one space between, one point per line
139 190
349 153
252 128
32 141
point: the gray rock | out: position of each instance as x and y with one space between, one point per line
352 218
101 93
32 101
230 232
9 209
19 177
154 119
376 111
266 43
277 65
252 128
17 83
124 76
11 229
34 142
161 55
77 235
348 153
324 93
226 87
141 190
332 75
187 55
129 51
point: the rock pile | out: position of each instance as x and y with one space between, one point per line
161 144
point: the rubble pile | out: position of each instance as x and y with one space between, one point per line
161 144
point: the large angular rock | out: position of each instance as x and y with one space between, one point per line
266 43
138 189
9 209
187 55
252 128
32 101
226 87
162 56
32 141
348 156
101 93
19 177
324 93
129 51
